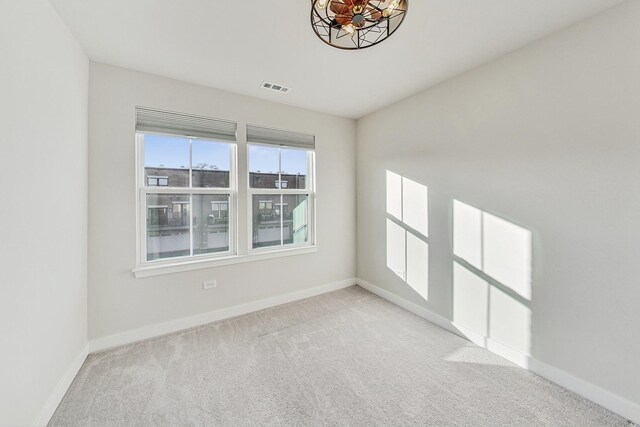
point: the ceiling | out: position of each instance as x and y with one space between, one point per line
234 45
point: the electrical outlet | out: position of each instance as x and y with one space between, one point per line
209 284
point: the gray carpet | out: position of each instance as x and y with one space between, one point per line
343 358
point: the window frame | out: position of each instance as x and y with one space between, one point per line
310 192
141 204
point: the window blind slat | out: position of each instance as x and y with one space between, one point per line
150 120
262 135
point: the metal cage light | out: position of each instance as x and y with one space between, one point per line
356 24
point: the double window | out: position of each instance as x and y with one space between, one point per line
189 198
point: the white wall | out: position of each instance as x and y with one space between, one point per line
547 138
118 302
43 238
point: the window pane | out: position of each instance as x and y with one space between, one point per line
167 226
211 163
294 168
166 157
295 214
264 163
267 227
210 223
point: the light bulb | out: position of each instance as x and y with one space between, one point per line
392 6
349 28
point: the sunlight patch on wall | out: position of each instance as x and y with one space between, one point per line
492 276
494 246
507 254
396 260
394 195
407 231
418 264
509 321
415 206
467 233
470 300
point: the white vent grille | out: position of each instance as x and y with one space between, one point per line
275 87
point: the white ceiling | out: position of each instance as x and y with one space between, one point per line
236 44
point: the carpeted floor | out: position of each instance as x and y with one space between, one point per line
343 358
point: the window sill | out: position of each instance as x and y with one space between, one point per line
149 270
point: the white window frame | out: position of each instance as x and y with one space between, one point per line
141 206
310 191
240 250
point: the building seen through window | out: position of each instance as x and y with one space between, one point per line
187 182
193 219
280 195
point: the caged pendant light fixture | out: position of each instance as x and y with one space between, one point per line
356 24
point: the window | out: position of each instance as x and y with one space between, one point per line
188 198
281 188
408 231
187 186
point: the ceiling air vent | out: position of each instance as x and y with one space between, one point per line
276 87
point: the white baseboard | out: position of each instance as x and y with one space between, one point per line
609 400
605 398
61 388
177 325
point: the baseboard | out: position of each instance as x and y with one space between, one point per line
61 388
602 397
429 315
177 325
605 398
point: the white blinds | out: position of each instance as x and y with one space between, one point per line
150 120
262 135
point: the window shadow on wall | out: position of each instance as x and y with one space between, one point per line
492 272
408 231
